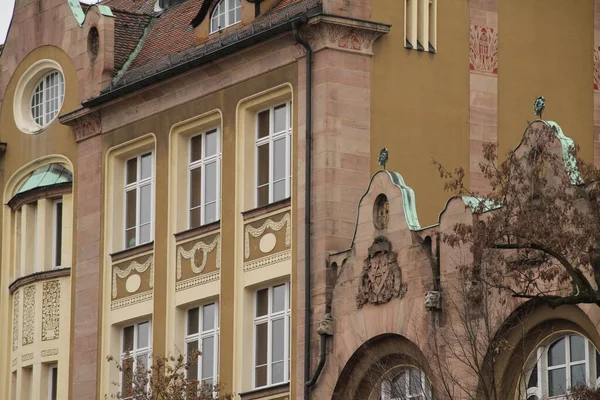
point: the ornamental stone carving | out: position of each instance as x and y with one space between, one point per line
381 278
269 223
433 300
343 34
199 247
132 268
15 327
86 126
51 310
326 326
28 314
597 68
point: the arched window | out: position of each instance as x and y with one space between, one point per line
47 98
567 362
226 13
409 383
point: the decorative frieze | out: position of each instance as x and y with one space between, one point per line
128 301
381 278
49 352
51 310
132 275
268 260
483 54
15 327
273 225
204 248
197 281
28 315
27 357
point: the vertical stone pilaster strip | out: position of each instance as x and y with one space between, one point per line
596 82
87 281
483 65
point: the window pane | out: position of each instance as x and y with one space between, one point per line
211 143
261 344
195 187
556 353
195 218
210 213
210 193
191 350
131 170
263 164
279 159
279 191
262 302
53 383
58 234
578 375
262 196
196 148
557 382
279 298
263 124
146 166
208 317
577 348
130 237
145 204
193 321
127 377
145 233
280 118
142 362
232 17
208 357
277 372
278 339
415 385
127 339
533 378
399 385
143 334
238 14
130 208
222 21
261 376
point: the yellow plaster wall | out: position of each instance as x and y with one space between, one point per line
545 49
420 101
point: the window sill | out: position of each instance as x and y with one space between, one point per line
260 211
132 251
273 390
38 276
193 232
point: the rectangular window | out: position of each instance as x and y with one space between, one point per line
13 386
204 178
138 200
27 383
420 22
410 23
135 352
273 137
57 233
52 382
432 25
17 265
202 334
271 335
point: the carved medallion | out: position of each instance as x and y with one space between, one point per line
381 278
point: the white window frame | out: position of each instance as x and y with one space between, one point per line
224 7
43 103
386 385
541 361
51 368
55 232
270 139
135 352
202 334
269 318
137 185
202 164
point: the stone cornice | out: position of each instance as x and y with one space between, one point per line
345 34
38 276
85 124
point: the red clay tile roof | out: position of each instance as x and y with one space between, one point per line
129 29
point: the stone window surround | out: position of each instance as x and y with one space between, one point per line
24 90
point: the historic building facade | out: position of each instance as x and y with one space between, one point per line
154 175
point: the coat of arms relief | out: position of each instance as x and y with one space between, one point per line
381 278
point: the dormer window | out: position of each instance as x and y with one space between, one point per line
225 14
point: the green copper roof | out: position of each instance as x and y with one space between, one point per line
48 175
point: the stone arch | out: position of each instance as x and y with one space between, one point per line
529 325
361 376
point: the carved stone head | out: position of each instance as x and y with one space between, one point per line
433 300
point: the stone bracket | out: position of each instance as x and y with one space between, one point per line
84 126
345 34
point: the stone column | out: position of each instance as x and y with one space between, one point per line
341 155
86 276
483 63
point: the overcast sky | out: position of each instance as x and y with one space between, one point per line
6 11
